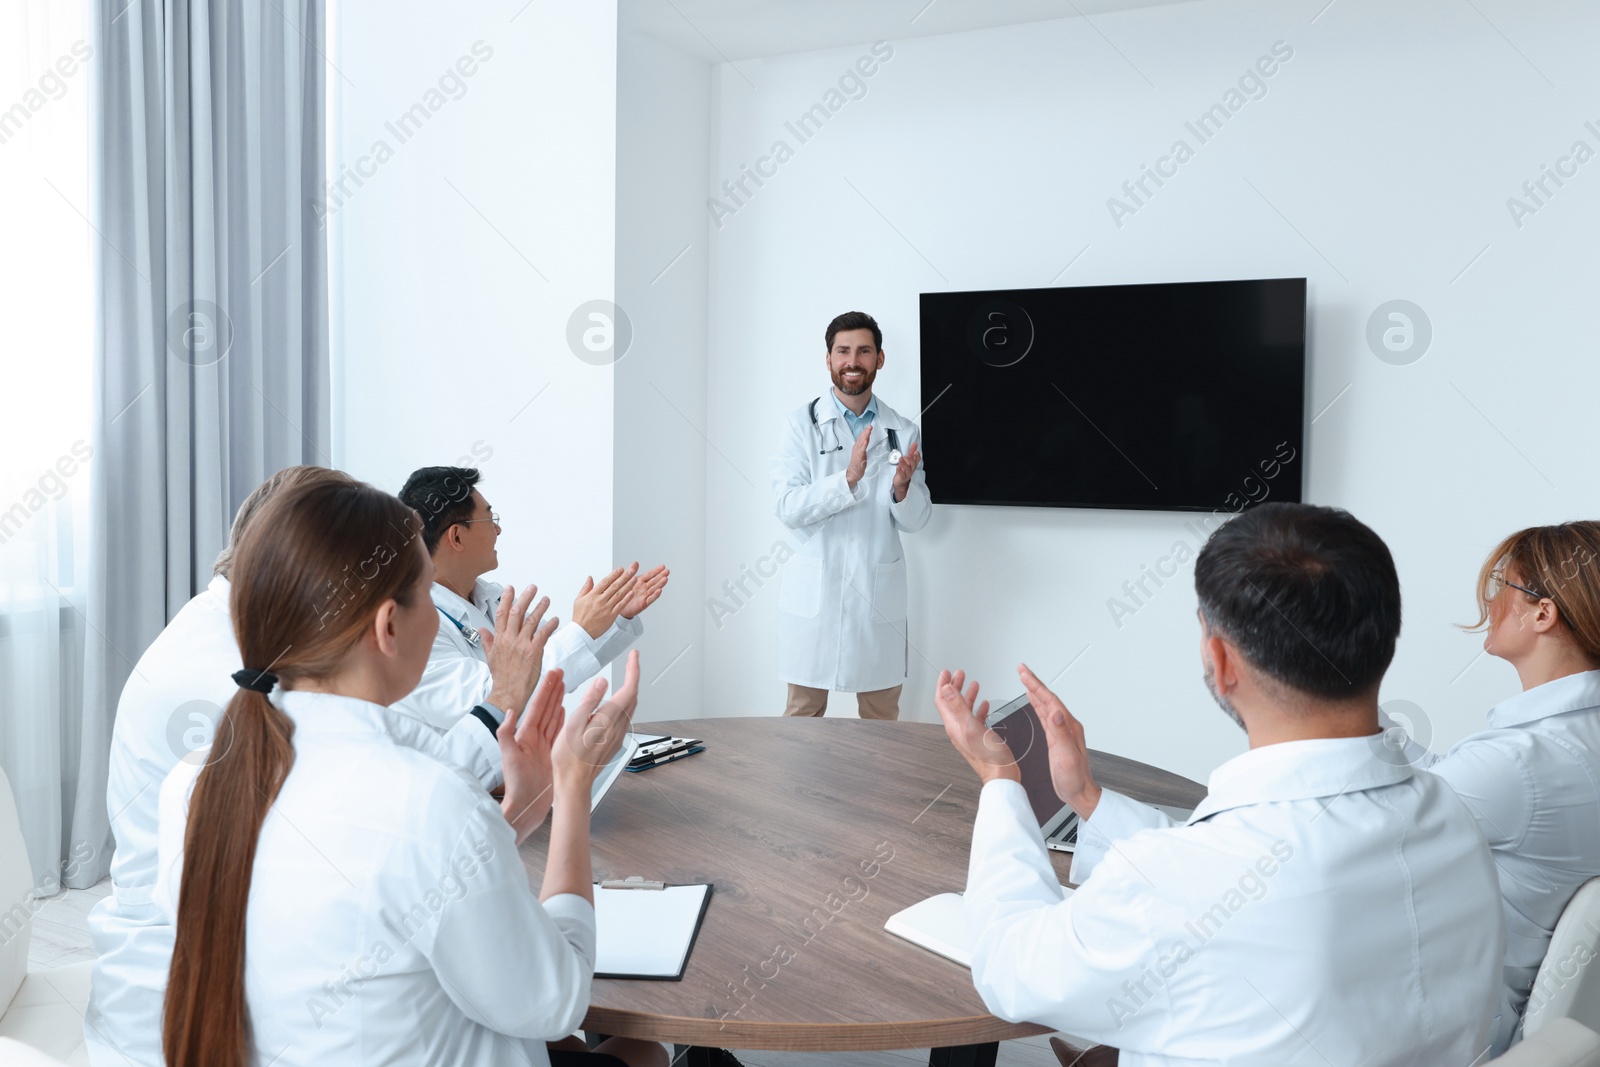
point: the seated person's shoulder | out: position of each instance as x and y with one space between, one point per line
396 789
1209 857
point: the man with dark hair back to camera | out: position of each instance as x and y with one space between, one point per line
848 478
460 531
1323 904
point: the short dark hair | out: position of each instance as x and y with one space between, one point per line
855 320
1308 594
441 497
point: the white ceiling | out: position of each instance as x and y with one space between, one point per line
732 30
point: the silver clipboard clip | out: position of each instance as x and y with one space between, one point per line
631 882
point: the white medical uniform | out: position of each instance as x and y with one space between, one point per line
390 918
1533 781
457 676
168 711
842 602
1321 907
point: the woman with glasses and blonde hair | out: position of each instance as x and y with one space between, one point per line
342 892
1532 778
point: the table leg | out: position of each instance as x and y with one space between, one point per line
696 1056
965 1055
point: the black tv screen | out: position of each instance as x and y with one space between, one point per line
1186 396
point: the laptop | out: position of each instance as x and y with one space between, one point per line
1019 726
613 770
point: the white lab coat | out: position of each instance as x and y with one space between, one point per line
456 678
842 601
1322 906
1533 781
390 918
168 710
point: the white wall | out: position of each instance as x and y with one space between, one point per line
1378 165
663 149
457 263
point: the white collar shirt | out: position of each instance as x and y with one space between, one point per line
1320 907
390 918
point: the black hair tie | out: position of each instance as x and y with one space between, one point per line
255 681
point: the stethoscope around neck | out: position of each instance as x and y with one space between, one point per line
894 438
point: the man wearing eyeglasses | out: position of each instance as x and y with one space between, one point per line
460 531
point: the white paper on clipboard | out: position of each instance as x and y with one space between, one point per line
647 933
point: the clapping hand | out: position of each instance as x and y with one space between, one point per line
858 458
1069 756
593 732
526 740
966 723
905 469
647 590
515 649
598 606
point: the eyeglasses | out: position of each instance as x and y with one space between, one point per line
494 517
1499 578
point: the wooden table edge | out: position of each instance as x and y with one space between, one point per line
807 1037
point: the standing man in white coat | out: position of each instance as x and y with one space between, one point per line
848 478
1321 905
168 713
461 531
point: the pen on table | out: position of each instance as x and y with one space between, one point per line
667 758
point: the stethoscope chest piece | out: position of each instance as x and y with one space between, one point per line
894 457
469 633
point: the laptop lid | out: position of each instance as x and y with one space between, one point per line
613 770
1019 726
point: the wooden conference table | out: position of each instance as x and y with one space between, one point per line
813 832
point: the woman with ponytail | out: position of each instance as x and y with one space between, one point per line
1532 778
342 892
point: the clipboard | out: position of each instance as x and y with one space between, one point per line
647 932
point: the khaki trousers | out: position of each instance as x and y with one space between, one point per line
878 704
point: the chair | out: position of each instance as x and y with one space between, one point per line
1559 1043
42 1009
1568 983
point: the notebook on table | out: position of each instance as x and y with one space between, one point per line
938 924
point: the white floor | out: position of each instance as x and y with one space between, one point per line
61 927
61 936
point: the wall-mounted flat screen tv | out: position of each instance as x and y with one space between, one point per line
1184 396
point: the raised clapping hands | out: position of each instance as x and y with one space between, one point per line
1069 756
647 590
966 724
905 469
548 752
515 649
526 741
598 606
593 732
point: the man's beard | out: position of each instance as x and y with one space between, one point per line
867 376
1222 702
